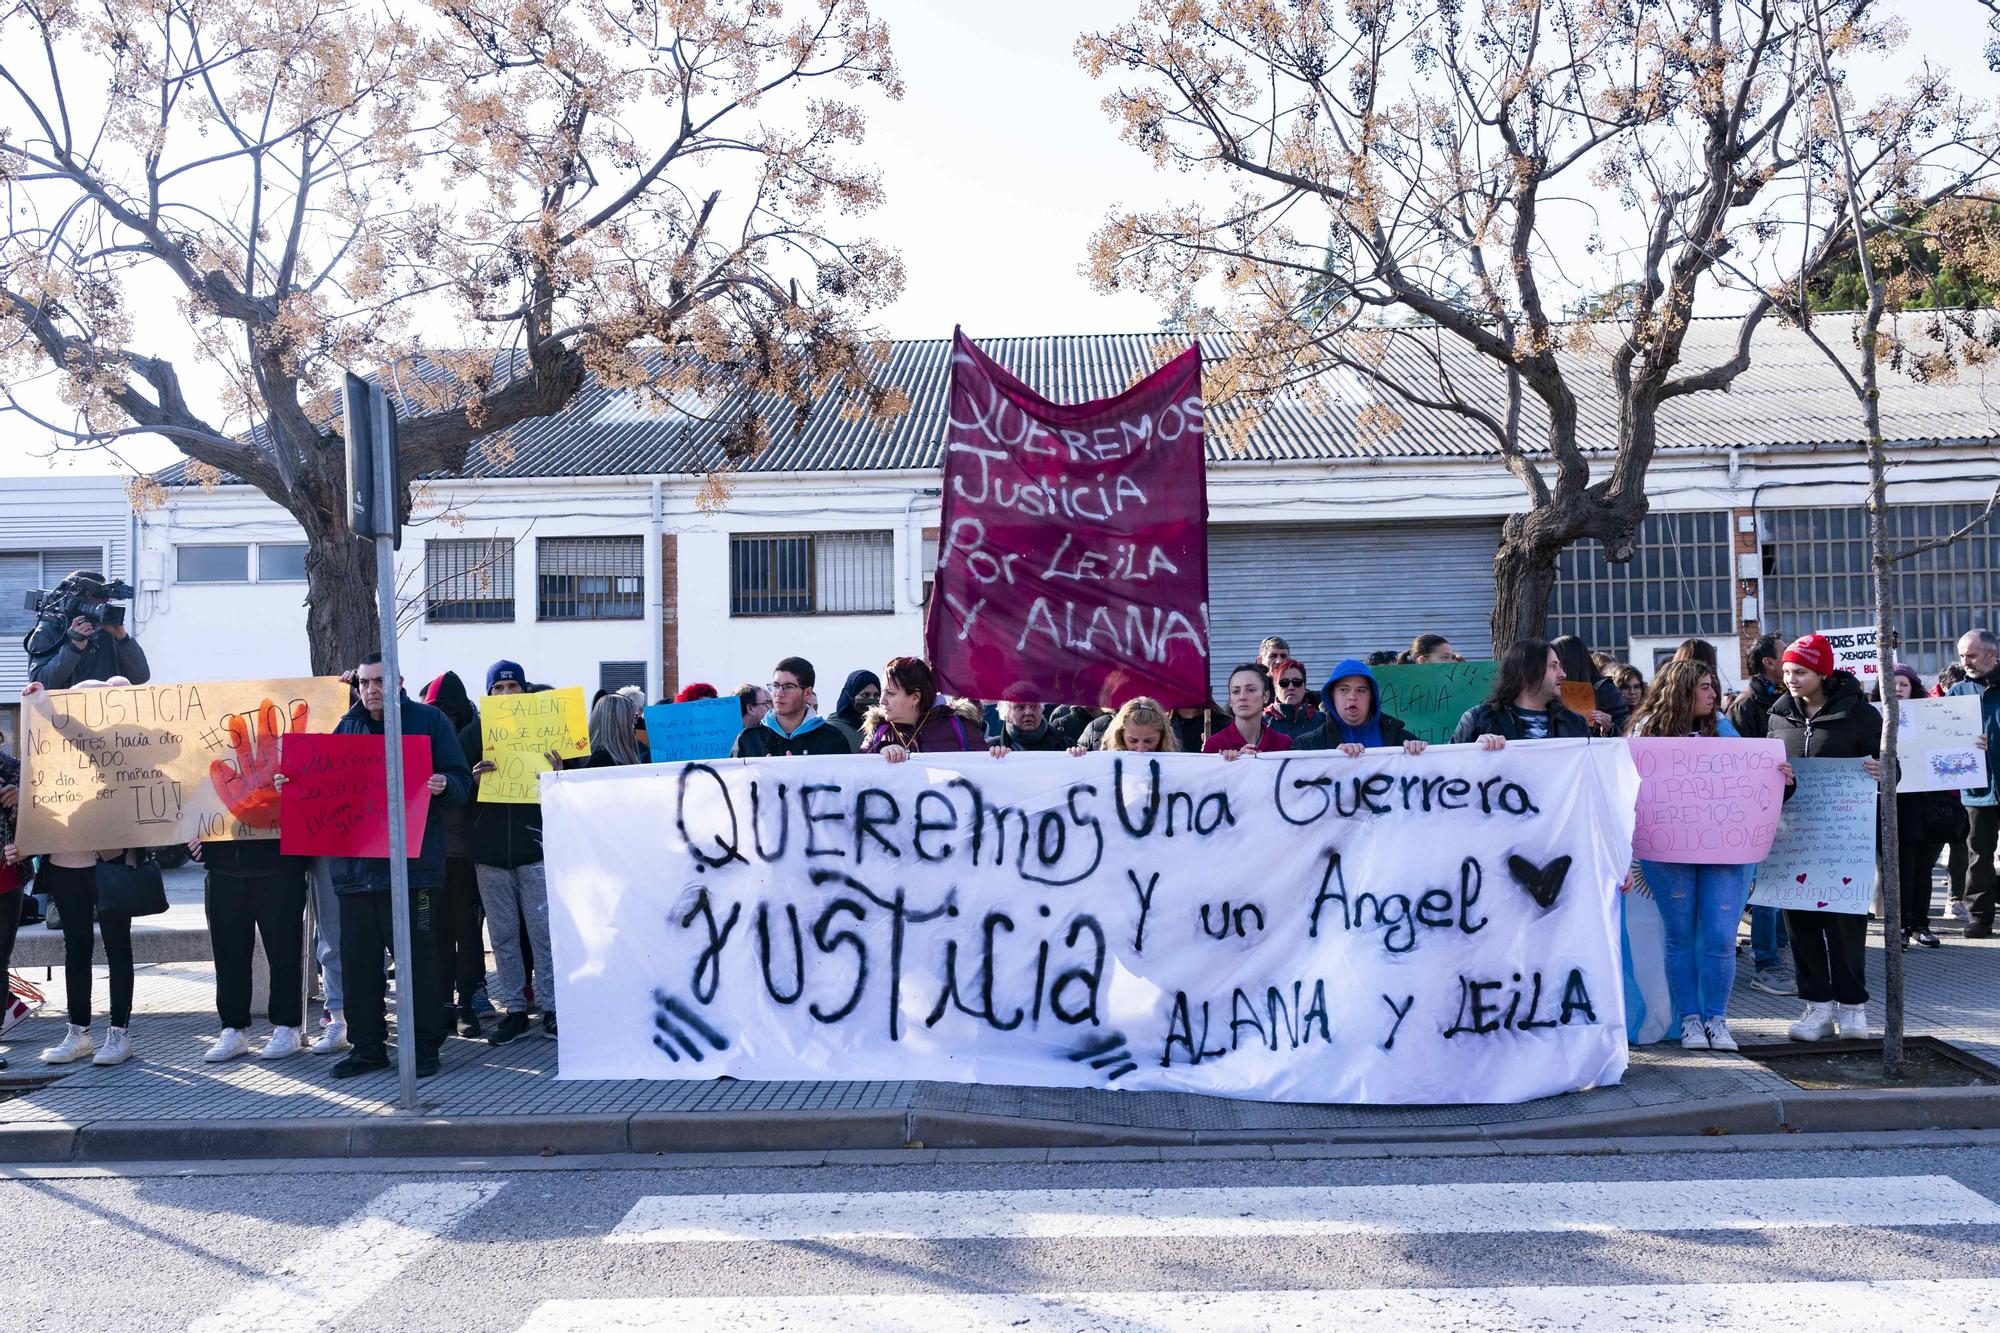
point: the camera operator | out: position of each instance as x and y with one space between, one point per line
82 637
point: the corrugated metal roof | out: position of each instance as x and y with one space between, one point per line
1790 395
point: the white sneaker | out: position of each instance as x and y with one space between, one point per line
1853 1019
1694 1037
76 1045
1957 910
281 1043
117 1048
332 1038
1719 1038
1815 1024
231 1045
18 1012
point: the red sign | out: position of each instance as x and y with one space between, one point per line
1073 555
335 801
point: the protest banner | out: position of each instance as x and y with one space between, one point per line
701 729
336 795
1937 744
1706 801
516 733
1823 857
148 765
1073 561
1854 652
1429 698
1389 929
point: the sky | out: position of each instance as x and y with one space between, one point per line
998 164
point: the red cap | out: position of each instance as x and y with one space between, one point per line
1813 653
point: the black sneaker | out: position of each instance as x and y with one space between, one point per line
468 1021
549 1021
355 1063
427 1063
508 1028
1979 930
1928 940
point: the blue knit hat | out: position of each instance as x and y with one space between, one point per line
505 670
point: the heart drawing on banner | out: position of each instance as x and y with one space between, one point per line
1542 883
1802 879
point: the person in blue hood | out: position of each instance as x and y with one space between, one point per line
1354 717
790 727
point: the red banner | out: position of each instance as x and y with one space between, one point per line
335 801
1073 547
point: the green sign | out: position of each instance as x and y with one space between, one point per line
1429 699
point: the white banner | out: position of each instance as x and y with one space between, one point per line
1389 929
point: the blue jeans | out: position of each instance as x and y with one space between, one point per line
1699 909
1768 937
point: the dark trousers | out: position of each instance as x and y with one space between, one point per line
1827 954
461 943
1982 889
367 931
240 908
11 907
74 893
1919 861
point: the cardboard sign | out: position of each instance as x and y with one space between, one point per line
516 732
1937 744
1580 697
1854 651
1707 801
1823 858
336 795
1430 698
703 729
149 765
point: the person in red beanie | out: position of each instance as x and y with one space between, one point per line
1823 715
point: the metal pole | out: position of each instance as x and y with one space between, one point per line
399 865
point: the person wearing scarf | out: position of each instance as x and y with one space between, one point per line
862 692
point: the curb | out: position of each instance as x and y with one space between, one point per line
890 1135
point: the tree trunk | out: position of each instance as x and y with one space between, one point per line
341 624
1889 855
1524 577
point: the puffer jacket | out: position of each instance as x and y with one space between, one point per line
946 729
1846 726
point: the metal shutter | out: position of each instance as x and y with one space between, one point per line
1344 590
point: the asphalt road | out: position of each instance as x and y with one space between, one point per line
1820 1240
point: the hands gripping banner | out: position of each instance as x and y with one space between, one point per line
1073 556
1389 929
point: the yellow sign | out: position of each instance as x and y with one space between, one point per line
150 765
516 732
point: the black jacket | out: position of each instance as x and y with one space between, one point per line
1749 712
1847 726
250 858
762 742
1491 719
498 833
1045 740
55 661
358 874
1326 736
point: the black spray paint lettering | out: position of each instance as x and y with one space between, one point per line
1145 895
1397 915
675 1026
1228 922
1401 1012
1307 800
1479 1016
1293 1022
708 963
1109 1052
1177 812
1038 839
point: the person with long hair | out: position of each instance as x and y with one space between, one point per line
1525 703
910 720
1629 683
1700 905
1249 695
614 733
1608 717
1142 726
1823 715
1429 648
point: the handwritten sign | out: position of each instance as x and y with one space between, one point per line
1431 697
516 732
336 795
1937 744
1580 697
703 729
1854 652
1823 858
1390 929
1073 565
1707 801
148 765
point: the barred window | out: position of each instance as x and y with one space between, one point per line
590 578
1678 584
817 573
617 675
467 580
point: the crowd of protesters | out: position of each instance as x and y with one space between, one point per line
477 881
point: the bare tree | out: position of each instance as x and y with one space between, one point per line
1432 162
213 207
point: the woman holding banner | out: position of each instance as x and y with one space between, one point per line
1822 715
1249 696
1140 727
910 720
1699 904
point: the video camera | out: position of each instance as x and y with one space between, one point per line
73 597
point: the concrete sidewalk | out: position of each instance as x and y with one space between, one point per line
166 1103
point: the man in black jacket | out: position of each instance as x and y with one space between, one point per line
59 657
1749 711
1526 703
367 927
790 727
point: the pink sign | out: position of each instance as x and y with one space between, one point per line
335 801
1707 801
1073 555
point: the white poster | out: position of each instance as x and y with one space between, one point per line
1823 859
1937 744
1854 652
1389 929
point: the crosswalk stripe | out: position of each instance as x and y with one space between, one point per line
1621 1205
1824 1307
358 1258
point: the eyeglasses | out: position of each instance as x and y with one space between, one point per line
775 688
1292 683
